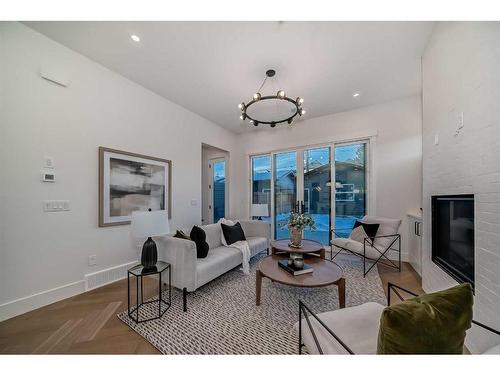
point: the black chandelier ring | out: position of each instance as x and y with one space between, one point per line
257 97
256 122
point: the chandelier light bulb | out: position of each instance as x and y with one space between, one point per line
300 101
256 123
257 96
302 112
241 106
273 124
290 121
281 94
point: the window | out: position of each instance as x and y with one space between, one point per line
261 185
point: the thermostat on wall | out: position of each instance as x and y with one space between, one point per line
48 176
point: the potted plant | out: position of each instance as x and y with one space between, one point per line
296 224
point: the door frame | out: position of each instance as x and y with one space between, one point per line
370 142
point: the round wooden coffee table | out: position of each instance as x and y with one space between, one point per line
308 247
325 273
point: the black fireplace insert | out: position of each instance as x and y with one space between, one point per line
453 235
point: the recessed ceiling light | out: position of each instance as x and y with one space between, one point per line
355 95
135 38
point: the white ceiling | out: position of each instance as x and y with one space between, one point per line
210 67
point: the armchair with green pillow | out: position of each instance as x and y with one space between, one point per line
434 323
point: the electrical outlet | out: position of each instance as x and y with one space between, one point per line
92 260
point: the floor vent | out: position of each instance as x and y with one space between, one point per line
109 275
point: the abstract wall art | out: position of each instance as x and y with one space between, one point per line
131 182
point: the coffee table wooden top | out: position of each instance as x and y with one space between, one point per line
325 272
308 246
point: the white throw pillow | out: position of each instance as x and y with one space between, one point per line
226 222
358 234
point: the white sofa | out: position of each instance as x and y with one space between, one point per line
189 272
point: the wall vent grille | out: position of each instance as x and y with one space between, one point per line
107 276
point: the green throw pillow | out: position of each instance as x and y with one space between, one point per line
429 324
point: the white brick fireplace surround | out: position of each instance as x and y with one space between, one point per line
461 80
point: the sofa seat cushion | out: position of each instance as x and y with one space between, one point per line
357 247
257 244
218 261
493 350
357 327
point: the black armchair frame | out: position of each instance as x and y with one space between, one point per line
382 258
304 310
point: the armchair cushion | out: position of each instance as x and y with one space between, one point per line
356 247
387 227
429 324
356 326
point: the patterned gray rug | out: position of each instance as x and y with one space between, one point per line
222 317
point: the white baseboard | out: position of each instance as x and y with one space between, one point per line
23 305
91 281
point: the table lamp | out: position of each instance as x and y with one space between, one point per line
260 210
148 224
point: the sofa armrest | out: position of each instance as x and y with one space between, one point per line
256 228
181 254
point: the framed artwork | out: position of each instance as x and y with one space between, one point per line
132 182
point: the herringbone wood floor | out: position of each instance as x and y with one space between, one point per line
87 323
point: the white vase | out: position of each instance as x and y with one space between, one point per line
296 237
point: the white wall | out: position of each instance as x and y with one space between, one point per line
397 130
461 73
41 251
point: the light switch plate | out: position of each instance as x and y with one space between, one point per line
48 162
56 205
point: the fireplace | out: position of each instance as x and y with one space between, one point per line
453 235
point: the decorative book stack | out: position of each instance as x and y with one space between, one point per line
291 269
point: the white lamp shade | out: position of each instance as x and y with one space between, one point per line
260 210
149 223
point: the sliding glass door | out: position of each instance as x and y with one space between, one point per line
317 194
285 191
350 186
329 183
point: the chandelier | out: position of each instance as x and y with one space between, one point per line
286 114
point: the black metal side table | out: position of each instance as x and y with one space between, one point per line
139 272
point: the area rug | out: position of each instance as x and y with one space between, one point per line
222 317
